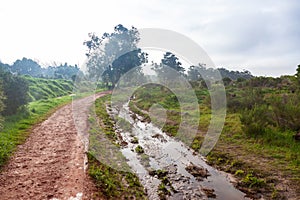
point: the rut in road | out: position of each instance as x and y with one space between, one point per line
50 164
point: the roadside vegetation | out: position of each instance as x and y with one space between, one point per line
258 144
29 94
17 127
24 102
103 168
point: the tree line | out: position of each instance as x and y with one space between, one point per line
27 66
113 54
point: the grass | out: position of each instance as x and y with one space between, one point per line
114 184
17 127
41 88
110 171
139 149
259 163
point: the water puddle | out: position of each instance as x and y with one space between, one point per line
169 166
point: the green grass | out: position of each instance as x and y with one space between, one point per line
255 161
17 127
107 124
41 88
110 172
114 184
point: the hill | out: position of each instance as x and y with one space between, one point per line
41 88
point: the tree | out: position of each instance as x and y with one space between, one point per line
298 74
169 66
193 74
2 97
15 90
226 81
172 61
26 67
114 54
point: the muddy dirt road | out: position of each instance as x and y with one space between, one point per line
50 164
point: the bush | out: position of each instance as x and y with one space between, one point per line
2 97
256 120
285 110
16 92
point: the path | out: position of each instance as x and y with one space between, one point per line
50 164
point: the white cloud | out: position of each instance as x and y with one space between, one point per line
262 36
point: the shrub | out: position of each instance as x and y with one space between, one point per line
15 90
256 120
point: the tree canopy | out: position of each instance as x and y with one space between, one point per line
27 66
114 54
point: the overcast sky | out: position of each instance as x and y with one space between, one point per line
262 36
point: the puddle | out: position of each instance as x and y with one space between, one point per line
177 162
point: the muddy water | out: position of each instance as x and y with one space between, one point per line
173 157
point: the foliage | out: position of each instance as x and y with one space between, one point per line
252 181
226 81
169 68
285 111
107 125
41 88
196 73
256 143
114 54
112 183
139 149
115 184
15 90
255 120
193 74
26 67
32 68
62 71
172 61
234 75
2 97
298 74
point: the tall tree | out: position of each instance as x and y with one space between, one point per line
26 67
166 70
172 61
193 74
114 54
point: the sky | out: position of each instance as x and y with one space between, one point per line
262 36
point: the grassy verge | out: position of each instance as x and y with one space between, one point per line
104 167
17 127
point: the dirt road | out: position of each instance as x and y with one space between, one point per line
51 163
